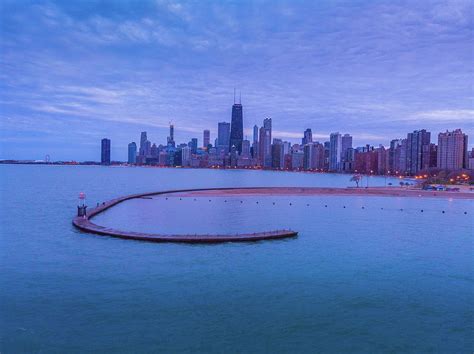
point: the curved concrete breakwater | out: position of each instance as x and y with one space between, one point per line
85 224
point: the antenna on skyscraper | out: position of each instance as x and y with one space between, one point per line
240 97
234 95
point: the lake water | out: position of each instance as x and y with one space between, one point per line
365 278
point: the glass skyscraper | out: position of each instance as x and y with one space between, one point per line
132 152
335 149
223 135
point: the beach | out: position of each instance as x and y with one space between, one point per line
316 191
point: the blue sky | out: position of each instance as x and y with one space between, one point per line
73 72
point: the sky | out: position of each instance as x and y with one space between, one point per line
74 72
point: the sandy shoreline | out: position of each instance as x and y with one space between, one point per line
309 191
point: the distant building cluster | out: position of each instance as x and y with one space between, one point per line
405 156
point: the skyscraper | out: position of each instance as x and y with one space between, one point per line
307 137
277 154
415 146
223 136
147 148
452 150
245 148
170 139
313 156
154 150
255 133
346 144
105 152
400 159
143 140
346 153
185 156
237 126
265 143
255 142
206 138
335 151
132 153
430 154
393 164
193 144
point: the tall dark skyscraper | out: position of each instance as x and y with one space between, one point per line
237 126
105 152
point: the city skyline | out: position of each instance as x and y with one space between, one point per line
402 156
180 62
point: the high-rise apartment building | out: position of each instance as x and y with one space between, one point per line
382 160
401 158
335 152
415 145
392 158
105 152
452 150
430 155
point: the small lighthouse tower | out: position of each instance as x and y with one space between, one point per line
81 208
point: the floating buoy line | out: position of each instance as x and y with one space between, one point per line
364 207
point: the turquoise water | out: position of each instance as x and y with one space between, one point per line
354 280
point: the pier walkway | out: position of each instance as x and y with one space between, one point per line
85 224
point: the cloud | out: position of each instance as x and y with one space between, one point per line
375 70
449 116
